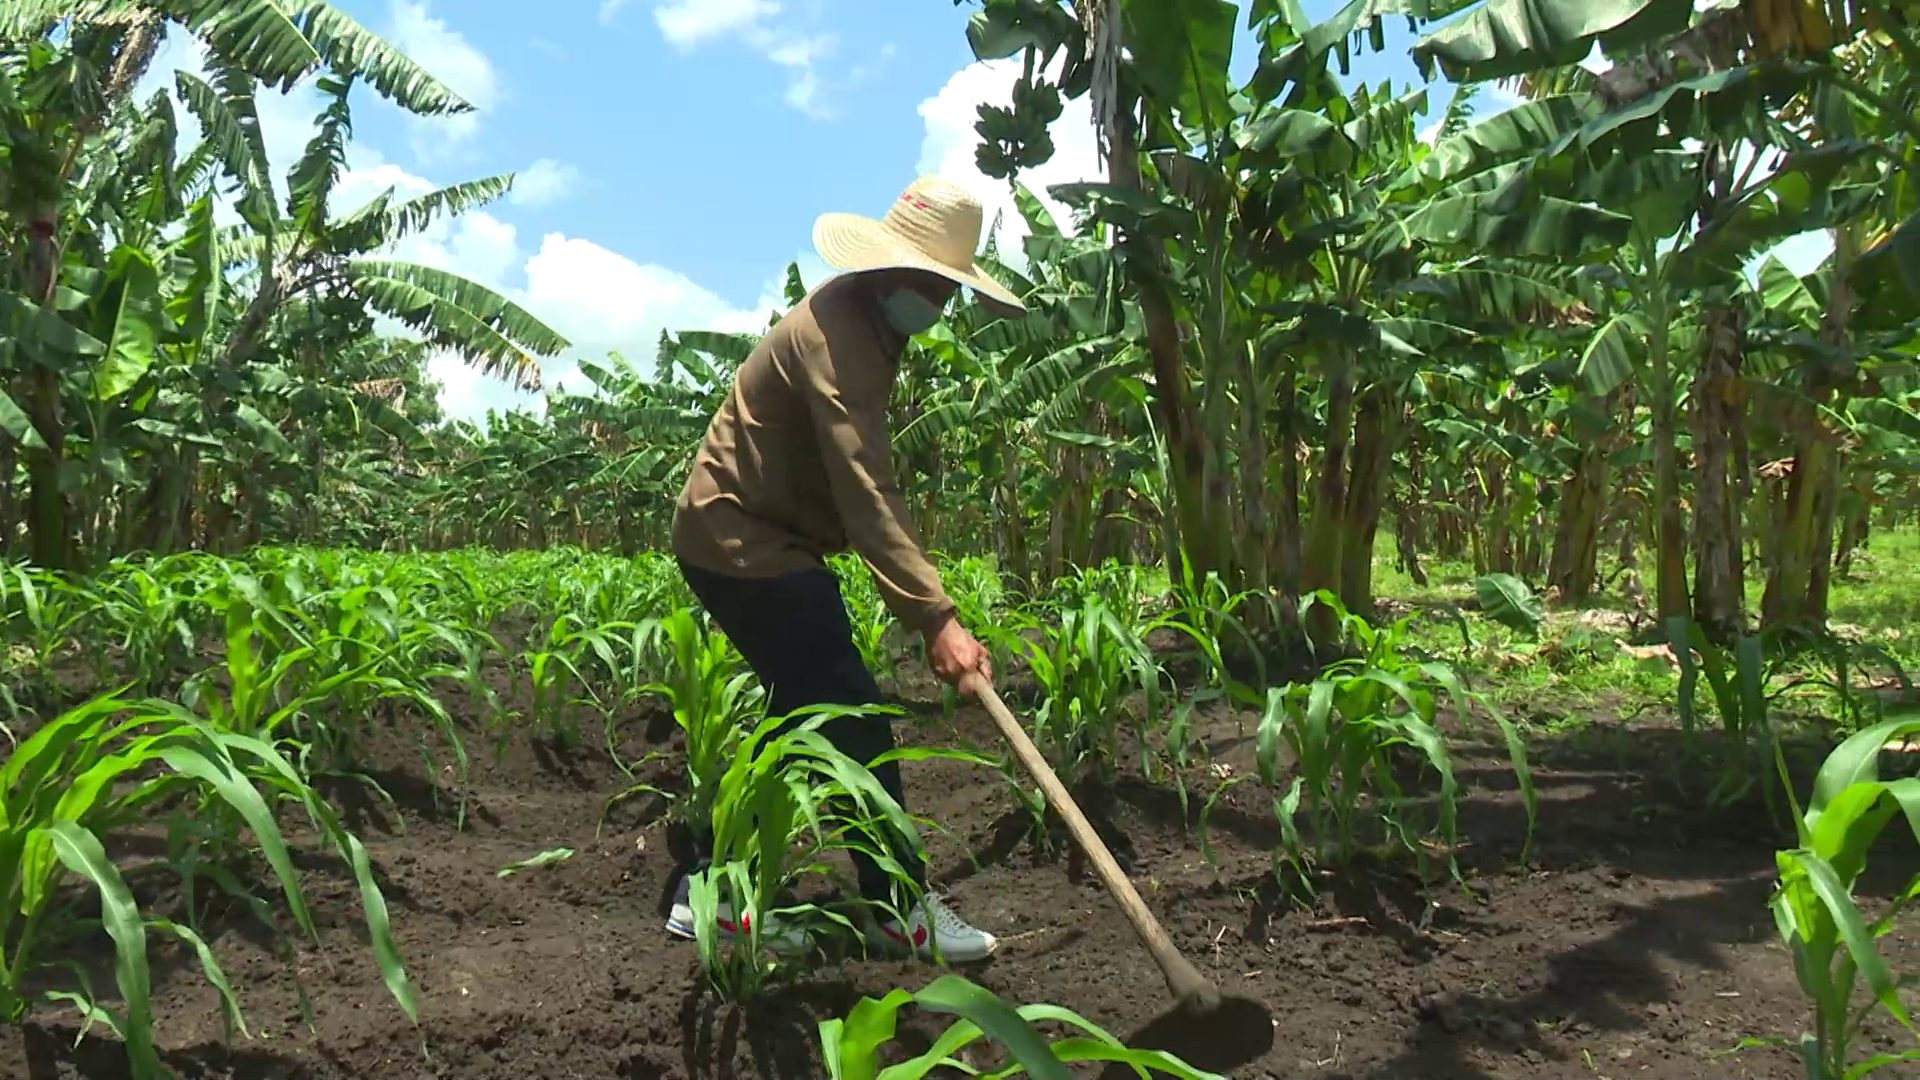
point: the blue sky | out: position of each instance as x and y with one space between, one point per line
672 154
701 134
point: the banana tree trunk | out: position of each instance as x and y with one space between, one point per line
1253 540
1670 552
1190 523
1060 520
1012 520
1719 584
1451 538
1407 516
1574 565
1286 540
1372 453
50 541
1081 519
9 513
930 500
188 510
1856 516
1109 540
1497 556
1325 544
1798 579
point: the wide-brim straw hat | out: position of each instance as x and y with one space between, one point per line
934 225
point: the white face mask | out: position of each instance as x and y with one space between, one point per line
909 312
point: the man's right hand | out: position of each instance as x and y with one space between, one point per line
953 653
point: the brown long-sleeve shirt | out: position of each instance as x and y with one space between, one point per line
798 462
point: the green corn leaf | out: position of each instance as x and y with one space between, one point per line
853 1052
997 1019
82 853
229 1002
385 949
1837 901
219 773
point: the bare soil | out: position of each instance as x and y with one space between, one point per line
1635 942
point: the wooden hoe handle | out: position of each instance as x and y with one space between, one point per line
1194 990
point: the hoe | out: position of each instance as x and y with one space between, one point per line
1203 1028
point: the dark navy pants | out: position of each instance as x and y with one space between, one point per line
794 632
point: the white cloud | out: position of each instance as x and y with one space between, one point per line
800 57
948 149
602 302
610 10
611 301
544 182
687 23
466 70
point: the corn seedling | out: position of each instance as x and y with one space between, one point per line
566 663
1851 670
1206 614
40 616
1127 589
711 693
851 1048
772 827
1343 730
873 625
277 683
149 620
108 765
1737 679
979 595
459 654
1834 944
1087 666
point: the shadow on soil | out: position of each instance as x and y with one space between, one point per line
778 1031
51 1055
1606 985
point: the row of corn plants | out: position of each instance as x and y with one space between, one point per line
292 662
204 695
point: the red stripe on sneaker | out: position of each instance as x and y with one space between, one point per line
919 936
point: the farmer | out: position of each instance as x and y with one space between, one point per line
798 463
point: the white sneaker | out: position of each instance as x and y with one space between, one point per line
777 937
934 923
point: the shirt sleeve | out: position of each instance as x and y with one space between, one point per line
848 382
